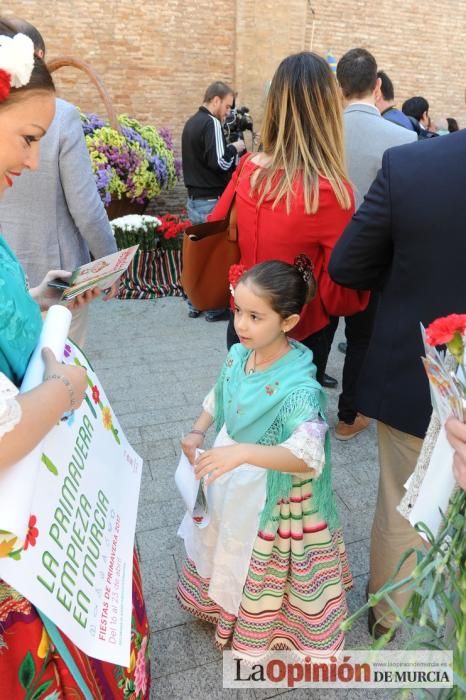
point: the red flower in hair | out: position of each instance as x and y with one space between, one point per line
4 84
235 273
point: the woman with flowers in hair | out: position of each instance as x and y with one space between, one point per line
35 661
294 195
267 565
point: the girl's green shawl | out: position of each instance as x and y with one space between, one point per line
265 408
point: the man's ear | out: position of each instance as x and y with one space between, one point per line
378 91
290 322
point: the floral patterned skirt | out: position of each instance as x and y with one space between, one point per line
31 668
294 594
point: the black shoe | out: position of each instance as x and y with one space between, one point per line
329 382
377 630
342 347
225 316
194 314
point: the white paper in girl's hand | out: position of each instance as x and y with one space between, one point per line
192 490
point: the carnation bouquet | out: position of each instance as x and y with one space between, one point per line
150 232
136 164
435 617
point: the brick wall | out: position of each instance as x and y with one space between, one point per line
156 58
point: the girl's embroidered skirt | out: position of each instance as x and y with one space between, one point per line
294 594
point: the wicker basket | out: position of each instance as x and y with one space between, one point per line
117 207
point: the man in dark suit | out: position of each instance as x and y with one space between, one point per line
407 240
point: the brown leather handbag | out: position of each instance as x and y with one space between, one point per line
209 250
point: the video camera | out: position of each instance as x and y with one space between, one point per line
238 121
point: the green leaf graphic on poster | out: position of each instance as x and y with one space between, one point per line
49 464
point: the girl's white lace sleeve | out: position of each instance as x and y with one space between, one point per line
10 409
307 443
209 403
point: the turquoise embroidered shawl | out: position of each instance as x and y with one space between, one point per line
20 318
266 407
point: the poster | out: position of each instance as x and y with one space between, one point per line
75 562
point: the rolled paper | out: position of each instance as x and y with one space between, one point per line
17 483
54 334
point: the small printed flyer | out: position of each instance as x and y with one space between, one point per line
75 561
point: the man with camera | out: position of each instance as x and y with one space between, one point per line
208 162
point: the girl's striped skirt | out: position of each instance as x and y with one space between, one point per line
294 594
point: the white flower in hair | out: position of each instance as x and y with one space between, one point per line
17 58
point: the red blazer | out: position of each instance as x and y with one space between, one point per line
273 234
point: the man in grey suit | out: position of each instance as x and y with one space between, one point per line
54 217
367 137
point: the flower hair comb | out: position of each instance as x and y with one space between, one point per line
16 63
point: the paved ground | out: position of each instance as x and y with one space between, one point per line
156 366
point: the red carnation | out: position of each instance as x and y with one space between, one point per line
443 330
4 84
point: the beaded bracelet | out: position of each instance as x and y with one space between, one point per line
198 432
68 385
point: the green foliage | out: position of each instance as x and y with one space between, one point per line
435 617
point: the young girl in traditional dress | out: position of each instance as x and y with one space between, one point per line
269 570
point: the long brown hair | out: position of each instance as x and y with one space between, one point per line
303 133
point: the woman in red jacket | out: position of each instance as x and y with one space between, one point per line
293 197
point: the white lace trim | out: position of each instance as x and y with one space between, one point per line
307 443
10 409
209 403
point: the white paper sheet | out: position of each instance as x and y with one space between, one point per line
193 491
437 486
18 482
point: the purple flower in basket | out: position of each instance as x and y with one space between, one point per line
166 134
135 162
91 122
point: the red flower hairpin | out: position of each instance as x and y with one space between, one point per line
234 275
5 86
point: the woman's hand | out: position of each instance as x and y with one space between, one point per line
456 434
77 377
112 291
48 296
218 461
190 443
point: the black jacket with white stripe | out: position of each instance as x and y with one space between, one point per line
208 161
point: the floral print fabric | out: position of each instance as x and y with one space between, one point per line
31 668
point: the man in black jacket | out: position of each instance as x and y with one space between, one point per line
408 241
208 162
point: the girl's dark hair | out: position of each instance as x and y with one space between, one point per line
40 80
287 287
